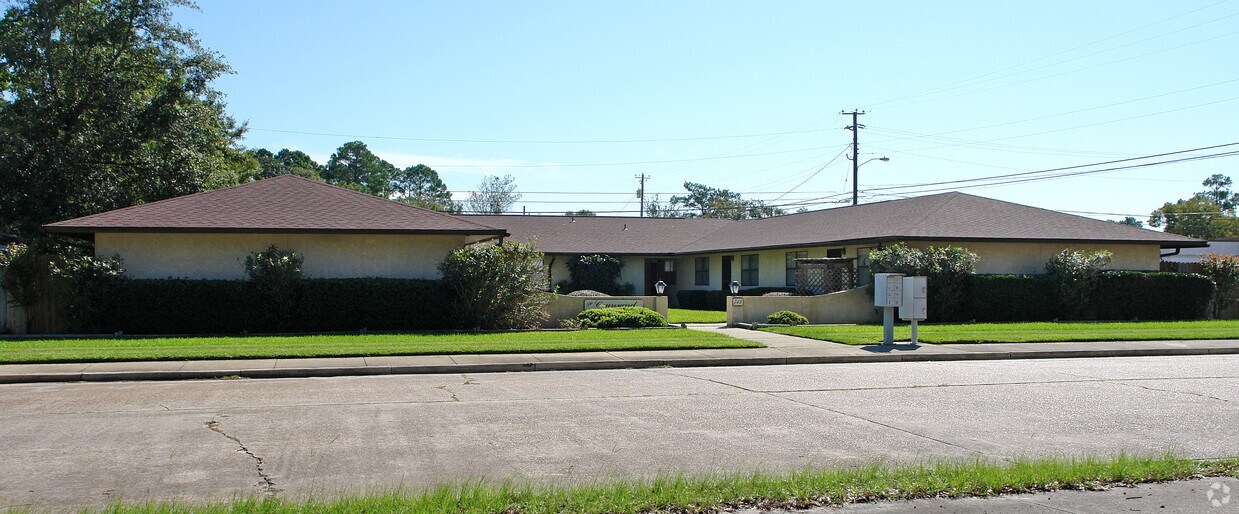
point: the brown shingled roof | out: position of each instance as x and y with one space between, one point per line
286 203
941 217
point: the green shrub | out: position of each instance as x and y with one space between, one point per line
948 270
599 272
616 317
1011 298
277 275
176 306
787 318
497 286
1119 295
694 299
1124 295
1223 270
88 286
1076 274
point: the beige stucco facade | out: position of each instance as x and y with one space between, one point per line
329 255
1030 258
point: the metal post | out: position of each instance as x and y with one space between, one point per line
888 325
913 331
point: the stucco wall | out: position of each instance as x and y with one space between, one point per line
851 306
222 256
562 307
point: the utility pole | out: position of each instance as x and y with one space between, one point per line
855 128
641 192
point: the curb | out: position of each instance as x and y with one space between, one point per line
694 362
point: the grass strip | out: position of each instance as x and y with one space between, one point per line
1039 332
798 490
695 316
354 345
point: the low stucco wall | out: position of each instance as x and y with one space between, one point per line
222 256
851 306
564 307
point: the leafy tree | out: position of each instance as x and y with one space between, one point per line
354 166
497 286
582 212
106 104
1132 221
421 186
1223 270
1198 217
707 202
287 162
655 208
19 274
494 195
1219 191
1209 214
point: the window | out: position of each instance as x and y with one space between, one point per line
703 271
792 265
834 253
748 270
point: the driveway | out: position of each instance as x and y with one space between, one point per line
68 445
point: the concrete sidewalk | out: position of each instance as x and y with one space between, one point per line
781 349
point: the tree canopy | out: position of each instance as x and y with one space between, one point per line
286 162
1209 214
421 186
354 166
106 104
495 195
707 202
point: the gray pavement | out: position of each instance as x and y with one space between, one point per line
780 349
68 445
1188 496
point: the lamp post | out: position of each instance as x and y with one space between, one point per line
659 287
856 175
735 287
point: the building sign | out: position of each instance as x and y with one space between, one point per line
599 304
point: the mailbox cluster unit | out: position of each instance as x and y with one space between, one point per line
909 294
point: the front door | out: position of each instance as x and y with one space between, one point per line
727 271
653 270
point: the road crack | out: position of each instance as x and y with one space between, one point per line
265 482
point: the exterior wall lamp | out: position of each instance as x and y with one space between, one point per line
735 287
659 287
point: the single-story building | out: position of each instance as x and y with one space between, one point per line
340 232
343 233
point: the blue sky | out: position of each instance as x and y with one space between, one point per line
575 98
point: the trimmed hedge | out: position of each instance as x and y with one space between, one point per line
1120 295
716 300
232 306
617 317
1123 295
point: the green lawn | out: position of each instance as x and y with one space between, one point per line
177 348
811 487
1024 332
695 316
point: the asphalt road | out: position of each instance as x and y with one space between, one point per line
68 445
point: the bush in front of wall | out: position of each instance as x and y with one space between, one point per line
620 317
948 270
88 287
277 274
597 272
497 286
787 318
1077 274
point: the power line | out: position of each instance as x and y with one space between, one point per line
630 163
537 141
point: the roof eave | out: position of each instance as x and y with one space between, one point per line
72 230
